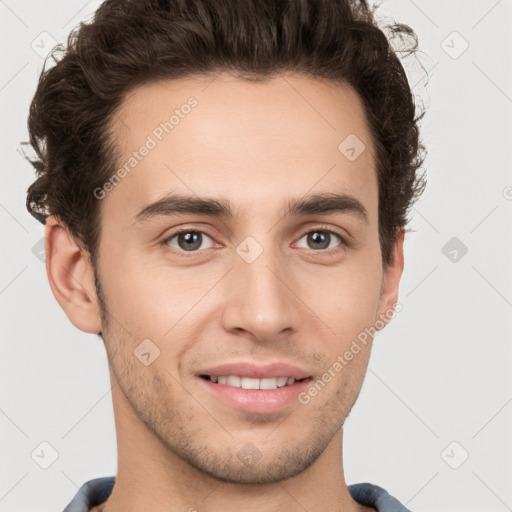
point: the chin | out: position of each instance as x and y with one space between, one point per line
250 467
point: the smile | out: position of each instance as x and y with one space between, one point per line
251 382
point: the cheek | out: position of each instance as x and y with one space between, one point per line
347 299
144 295
158 303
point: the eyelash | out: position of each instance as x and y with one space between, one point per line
187 254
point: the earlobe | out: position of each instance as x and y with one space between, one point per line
71 277
391 280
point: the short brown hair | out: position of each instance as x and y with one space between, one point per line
129 43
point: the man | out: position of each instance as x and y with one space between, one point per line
224 187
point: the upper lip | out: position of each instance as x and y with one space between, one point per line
247 369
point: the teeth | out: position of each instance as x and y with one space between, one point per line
268 383
233 381
281 381
252 383
249 383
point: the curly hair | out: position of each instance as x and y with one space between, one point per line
129 43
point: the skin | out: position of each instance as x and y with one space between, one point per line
258 145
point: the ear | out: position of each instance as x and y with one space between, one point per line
71 277
391 281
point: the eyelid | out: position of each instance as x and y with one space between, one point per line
325 227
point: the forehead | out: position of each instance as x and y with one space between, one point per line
252 142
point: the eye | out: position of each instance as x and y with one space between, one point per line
192 241
187 240
321 239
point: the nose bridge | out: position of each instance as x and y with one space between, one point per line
258 298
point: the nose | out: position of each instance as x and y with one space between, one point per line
260 298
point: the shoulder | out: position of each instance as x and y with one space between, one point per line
372 495
92 493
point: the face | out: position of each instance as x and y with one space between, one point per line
264 276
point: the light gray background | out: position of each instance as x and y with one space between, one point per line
439 373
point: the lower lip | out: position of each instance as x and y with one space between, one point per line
256 400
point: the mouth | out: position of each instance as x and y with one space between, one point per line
255 388
268 395
267 383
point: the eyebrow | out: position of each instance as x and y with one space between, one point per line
176 204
